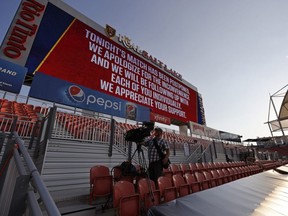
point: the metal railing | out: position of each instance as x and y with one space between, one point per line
202 152
21 183
81 127
195 155
25 128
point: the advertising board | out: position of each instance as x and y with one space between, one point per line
64 92
73 48
11 76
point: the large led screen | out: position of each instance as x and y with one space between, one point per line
68 48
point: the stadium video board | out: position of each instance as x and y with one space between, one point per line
60 45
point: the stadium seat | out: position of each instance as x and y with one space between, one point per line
176 169
182 187
211 166
190 179
206 166
184 168
209 177
217 177
193 167
223 176
200 167
168 173
149 196
101 183
202 180
37 109
167 190
125 200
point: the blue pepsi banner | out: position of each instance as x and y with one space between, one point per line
60 91
11 76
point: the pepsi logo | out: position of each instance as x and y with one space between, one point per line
76 94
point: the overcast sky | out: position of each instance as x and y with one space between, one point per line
234 51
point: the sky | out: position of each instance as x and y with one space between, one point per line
234 51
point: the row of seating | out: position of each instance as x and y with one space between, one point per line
125 199
173 138
22 110
27 115
140 193
128 198
84 127
178 140
183 168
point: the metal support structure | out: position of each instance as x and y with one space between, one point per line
15 180
112 137
277 117
33 207
36 128
215 151
211 155
203 158
18 205
2 139
48 201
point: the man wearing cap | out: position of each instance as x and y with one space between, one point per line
155 168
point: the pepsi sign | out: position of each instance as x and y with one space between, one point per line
60 91
76 94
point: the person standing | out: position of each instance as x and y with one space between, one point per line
155 168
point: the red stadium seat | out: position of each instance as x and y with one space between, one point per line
217 177
182 187
167 190
211 166
176 169
202 180
101 183
223 176
125 200
190 179
200 167
168 173
184 168
228 174
149 196
209 177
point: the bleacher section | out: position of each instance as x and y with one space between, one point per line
185 179
79 141
24 115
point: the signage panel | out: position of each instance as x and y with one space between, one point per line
11 76
60 91
159 118
86 57
62 43
197 129
22 32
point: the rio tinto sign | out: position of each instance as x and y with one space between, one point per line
20 36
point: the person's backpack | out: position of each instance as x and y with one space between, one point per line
128 169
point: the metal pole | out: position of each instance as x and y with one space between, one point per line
277 117
48 201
